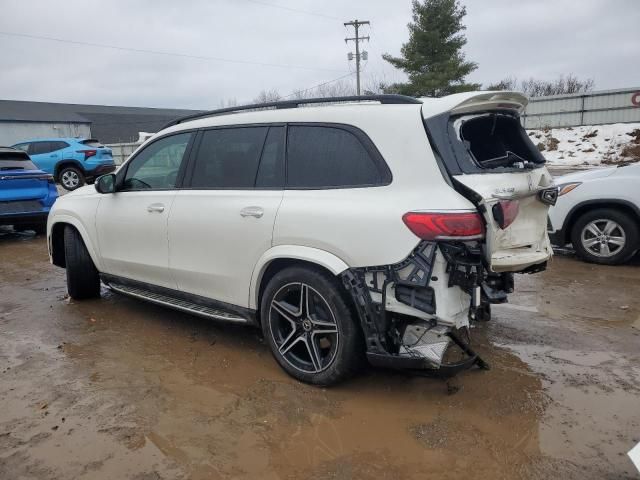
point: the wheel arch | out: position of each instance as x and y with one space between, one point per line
67 163
578 210
57 241
282 256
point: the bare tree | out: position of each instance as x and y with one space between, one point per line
266 96
543 88
340 88
231 102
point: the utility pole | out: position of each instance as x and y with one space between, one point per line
357 39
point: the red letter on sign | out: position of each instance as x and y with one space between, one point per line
635 99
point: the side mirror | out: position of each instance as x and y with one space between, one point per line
106 183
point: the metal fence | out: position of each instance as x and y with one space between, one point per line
595 108
122 151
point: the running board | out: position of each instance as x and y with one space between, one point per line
176 303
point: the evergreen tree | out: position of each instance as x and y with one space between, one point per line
433 58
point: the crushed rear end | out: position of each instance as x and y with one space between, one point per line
416 314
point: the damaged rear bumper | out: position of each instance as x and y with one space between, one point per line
412 312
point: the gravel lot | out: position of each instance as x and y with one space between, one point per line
117 389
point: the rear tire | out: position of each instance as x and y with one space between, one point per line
605 236
317 340
71 178
83 280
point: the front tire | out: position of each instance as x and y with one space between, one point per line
605 236
310 328
83 279
71 178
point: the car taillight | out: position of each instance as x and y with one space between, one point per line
445 226
88 153
505 212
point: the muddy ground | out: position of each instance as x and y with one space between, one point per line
117 389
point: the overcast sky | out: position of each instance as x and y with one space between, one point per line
597 39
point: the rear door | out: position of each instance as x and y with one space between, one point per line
492 161
46 154
222 222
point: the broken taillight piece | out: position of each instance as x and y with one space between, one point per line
445 226
505 212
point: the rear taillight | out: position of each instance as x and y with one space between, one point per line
505 212
445 226
88 153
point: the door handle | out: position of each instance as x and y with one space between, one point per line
256 212
155 208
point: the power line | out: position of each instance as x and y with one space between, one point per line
158 52
305 12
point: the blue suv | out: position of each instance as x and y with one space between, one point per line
26 193
71 161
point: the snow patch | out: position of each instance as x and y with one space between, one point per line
589 145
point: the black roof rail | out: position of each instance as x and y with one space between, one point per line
383 99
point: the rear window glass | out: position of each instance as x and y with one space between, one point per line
15 161
92 143
497 140
320 157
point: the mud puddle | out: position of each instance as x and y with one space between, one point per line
115 388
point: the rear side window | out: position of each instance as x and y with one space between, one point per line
497 140
229 158
326 157
54 146
92 143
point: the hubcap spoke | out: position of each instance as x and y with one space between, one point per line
289 342
590 242
604 249
303 309
593 228
619 241
314 353
609 227
283 309
320 326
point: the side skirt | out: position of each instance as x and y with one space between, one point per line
185 302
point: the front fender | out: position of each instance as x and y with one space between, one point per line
82 229
294 252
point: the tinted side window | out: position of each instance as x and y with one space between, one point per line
271 170
38 148
328 157
228 157
53 146
157 166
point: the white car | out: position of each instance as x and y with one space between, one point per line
353 228
598 212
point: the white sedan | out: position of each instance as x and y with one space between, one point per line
598 211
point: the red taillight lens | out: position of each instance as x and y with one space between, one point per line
88 153
505 212
445 226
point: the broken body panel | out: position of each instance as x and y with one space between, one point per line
411 311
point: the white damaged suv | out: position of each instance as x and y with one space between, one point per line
354 228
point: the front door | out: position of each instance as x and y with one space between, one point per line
132 222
